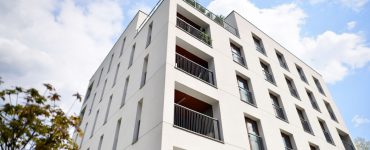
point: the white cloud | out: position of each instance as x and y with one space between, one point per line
359 120
351 25
334 55
60 42
354 4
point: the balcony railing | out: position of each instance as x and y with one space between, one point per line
328 137
260 49
348 146
194 69
202 36
238 59
196 122
306 126
246 96
279 112
293 92
218 19
314 105
255 142
268 76
283 64
332 116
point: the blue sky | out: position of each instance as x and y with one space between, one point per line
63 41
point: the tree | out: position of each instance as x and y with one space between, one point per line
362 144
30 120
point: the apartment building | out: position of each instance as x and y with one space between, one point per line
183 78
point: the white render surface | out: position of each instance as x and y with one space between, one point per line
157 131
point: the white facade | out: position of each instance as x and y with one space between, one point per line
141 99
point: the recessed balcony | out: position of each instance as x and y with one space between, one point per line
194 66
216 18
195 116
194 27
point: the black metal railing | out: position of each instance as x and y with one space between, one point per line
348 146
202 36
238 59
314 105
306 126
268 76
218 19
255 141
328 137
293 92
332 115
199 123
194 69
246 95
279 112
283 64
260 49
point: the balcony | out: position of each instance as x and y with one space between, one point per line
279 112
314 105
195 116
218 19
195 32
293 92
306 126
238 59
328 137
268 76
246 96
255 142
194 69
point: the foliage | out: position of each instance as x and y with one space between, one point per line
30 120
362 144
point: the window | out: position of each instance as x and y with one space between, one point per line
125 91
330 111
137 122
279 110
122 47
312 100
326 132
115 75
92 103
101 72
108 108
301 73
82 113
282 61
305 123
318 85
102 93
110 62
83 135
116 134
287 140
314 147
93 127
267 72
132 56
149 38
346 140
245 91
100 142
255 140
237 54
144 73
88 92
292 88
259 45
